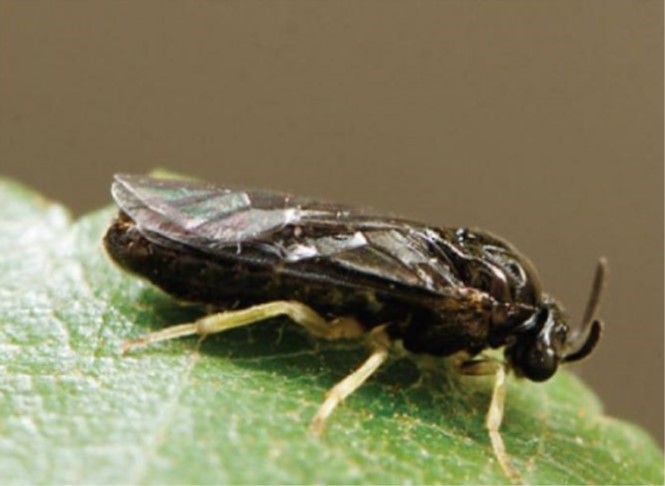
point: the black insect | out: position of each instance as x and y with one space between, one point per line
342 272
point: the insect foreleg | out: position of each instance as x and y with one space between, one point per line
223 321
495 413
380 344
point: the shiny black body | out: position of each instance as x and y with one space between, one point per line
439 290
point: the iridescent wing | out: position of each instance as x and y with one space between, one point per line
286 230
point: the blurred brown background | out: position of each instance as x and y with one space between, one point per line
542 121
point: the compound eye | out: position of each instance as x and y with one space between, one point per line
540 362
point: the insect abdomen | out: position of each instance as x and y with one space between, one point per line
192 276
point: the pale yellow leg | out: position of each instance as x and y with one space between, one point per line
341 328
223 321
380 344
495 412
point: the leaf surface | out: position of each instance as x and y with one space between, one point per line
235 409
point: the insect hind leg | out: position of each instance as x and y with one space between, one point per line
341 328
223 321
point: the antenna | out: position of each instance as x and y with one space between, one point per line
589 332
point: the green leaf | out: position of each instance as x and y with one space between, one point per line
236 408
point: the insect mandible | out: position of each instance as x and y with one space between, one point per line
344 272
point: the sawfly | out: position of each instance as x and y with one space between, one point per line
343 272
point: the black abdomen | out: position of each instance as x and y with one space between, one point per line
193 276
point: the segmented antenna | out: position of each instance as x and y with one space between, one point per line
589 332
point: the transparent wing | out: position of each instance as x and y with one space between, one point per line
287 229
194 212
